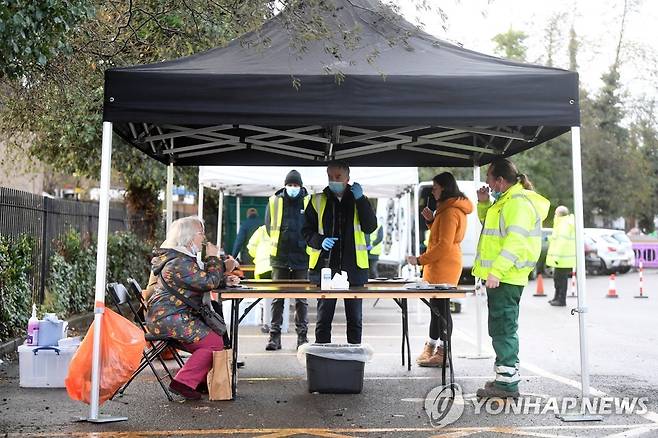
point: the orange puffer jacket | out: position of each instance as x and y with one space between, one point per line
442 262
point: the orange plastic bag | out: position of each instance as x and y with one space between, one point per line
122 344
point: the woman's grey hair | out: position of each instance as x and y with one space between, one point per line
182 231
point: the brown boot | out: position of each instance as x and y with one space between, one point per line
435 360
428 351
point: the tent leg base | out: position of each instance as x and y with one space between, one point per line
102 419
475 356
570 418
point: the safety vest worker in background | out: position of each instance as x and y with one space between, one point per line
374 247
337 221
284 219
562 253
508 249
259 250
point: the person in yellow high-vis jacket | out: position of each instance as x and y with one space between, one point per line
337 221
284 219
259 250
374 246
561 255
508 249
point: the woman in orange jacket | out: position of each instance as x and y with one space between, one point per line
442 262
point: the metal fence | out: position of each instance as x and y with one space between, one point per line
45 219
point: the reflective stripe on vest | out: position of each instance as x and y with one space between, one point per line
502 231
275 205
320 203
377 249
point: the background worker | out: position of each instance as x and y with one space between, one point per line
562 253
247 228
508 249
284 219
374 247
337 221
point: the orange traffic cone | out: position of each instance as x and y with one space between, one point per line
612 289
540 287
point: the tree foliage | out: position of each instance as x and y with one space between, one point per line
34 32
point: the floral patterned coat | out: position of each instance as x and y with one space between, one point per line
166 313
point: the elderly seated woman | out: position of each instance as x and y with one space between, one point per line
176 263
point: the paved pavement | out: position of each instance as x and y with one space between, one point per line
273 400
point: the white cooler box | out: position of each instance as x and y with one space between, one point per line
44 367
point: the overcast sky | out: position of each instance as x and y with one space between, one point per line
473 23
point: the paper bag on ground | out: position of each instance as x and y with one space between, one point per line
219 377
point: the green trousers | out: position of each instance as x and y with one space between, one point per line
503 303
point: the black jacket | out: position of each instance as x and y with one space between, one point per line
338 221
291 251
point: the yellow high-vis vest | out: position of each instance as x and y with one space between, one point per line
319 201
510 242
562 243
377 249
275 205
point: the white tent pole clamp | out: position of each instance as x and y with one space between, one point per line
580 275
169 199
101 266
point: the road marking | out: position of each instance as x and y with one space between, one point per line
538 431
649 415
295 378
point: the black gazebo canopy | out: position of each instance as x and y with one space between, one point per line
424 102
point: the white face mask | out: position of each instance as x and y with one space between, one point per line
194 249
293 191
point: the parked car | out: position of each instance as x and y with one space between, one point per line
593 263
613 249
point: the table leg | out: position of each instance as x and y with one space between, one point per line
447 357
235 324
405 337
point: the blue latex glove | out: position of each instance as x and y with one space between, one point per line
329 243
369 247
357 190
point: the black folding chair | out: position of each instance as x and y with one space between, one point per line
122 298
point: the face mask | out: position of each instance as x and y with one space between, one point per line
496 195
293 191
194 249
337 187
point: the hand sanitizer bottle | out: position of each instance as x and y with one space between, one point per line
33 328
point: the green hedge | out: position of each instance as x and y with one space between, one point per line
15 287
71 277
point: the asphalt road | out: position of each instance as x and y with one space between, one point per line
273 399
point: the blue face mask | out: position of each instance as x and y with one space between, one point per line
337 187
293 191
496 195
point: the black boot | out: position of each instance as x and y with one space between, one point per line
301 339
274 343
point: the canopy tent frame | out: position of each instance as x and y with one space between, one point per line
438 105
424 139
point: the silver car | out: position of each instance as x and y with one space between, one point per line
613 248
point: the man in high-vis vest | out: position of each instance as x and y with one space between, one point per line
337 221
562 253
508 249
284 219
374 247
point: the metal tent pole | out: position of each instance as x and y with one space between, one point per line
237 214
169 197
101 266
478 291
220 211
580 275
200 201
